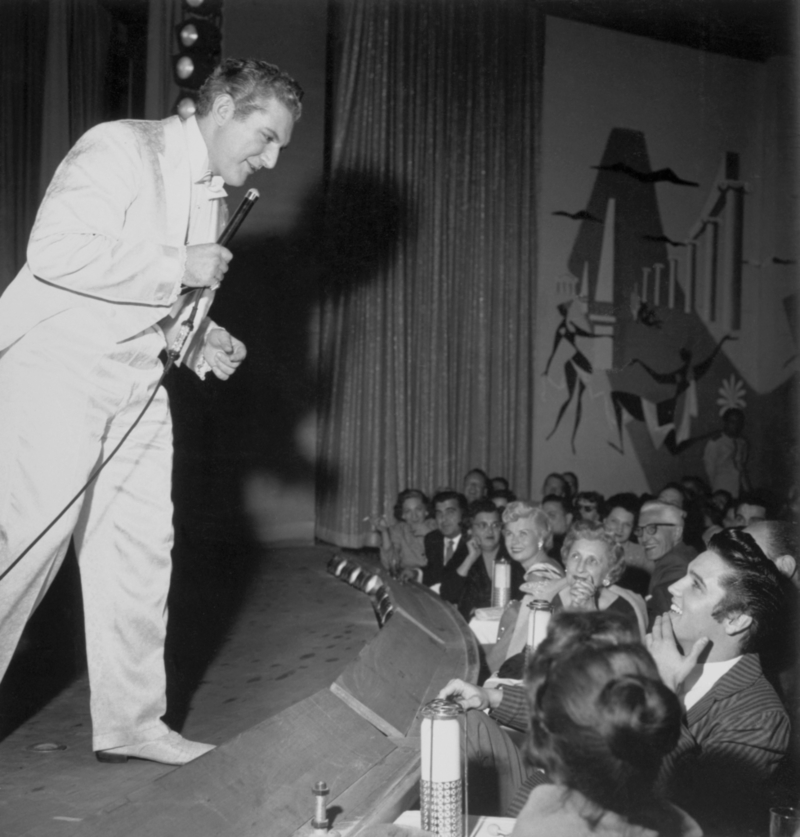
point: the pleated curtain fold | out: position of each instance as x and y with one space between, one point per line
426 361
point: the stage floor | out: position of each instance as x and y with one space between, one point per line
252 631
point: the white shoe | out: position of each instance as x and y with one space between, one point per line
171 748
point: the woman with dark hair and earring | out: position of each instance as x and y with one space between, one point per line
601 723
402 542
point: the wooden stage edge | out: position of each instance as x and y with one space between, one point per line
360 736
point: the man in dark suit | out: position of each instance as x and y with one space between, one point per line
446 543
736 732
660 532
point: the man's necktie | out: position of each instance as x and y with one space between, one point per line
448 550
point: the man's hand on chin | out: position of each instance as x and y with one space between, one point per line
673 667
223 353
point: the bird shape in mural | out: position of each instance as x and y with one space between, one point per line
664 239
581 215
658 176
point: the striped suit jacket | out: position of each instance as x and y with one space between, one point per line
734 739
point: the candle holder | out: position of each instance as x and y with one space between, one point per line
443 749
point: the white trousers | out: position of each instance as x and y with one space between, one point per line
68 394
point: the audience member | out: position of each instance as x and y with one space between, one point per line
468 585
594 561
725 455
447 542
601 724
620 520
572 482
660 532
506 780
502 497
723 612
559 510
527 530
526 533
499 484
402 543
589 506
555 484
722 499
673 494
750 508
694 488
476 485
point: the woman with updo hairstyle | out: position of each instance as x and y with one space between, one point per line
402 542
601 723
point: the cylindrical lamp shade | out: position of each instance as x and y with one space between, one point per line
538 620
501 583
441 782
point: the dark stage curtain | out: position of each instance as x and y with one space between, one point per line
23 40
54 55
426 353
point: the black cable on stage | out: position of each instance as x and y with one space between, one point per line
172 355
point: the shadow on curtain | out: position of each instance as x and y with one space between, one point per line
426 356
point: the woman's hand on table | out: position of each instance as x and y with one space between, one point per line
470 696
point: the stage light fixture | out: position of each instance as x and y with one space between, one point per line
198 36
186 107
192 70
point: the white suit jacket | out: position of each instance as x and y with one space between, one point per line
110 233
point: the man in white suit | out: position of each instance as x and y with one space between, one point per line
128 223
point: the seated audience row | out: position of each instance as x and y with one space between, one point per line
661 717
712 746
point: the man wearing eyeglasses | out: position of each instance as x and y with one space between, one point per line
660 532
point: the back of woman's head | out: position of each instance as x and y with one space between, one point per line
601 723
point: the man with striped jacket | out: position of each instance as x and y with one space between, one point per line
736 730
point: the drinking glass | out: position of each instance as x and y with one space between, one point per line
784 822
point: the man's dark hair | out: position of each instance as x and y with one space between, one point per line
441 496
505 493
753 498
504 487
624 500
676 486
753 586
590 497
478 471
567 489
484 506
250 83
564 502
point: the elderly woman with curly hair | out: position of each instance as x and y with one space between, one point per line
594 561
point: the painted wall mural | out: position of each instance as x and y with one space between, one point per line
654 322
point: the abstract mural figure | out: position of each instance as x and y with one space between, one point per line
660 417
577 369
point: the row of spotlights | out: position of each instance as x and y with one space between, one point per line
369 583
